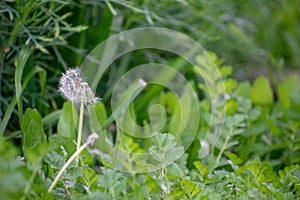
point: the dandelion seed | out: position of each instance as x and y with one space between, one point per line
73 88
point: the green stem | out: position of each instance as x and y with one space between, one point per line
222 151
111 8
14 33
66 165
28 186
112 193
1 70
165 180
80 127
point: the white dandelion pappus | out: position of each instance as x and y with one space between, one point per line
73 87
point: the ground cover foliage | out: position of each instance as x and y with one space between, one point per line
257 155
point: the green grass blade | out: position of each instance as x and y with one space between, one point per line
13 102
20 64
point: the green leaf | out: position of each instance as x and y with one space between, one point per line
113 181
190 188
55 160
226 71
89 177
12 182
234 158
97 115
286 89
261 92
229 85
128 122
176 194
58 140
231 106
33 137
76 28
67 121
123 102
164 148
243 89
254 114
43 77
235 120
284 96
262 171
51 117
7 149
239 34
202 169
32 127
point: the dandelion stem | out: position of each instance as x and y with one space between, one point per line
66 165
80 127
90 141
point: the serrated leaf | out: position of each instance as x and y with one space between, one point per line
73 173
55 160
110 179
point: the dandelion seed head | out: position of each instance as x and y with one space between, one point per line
73 88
